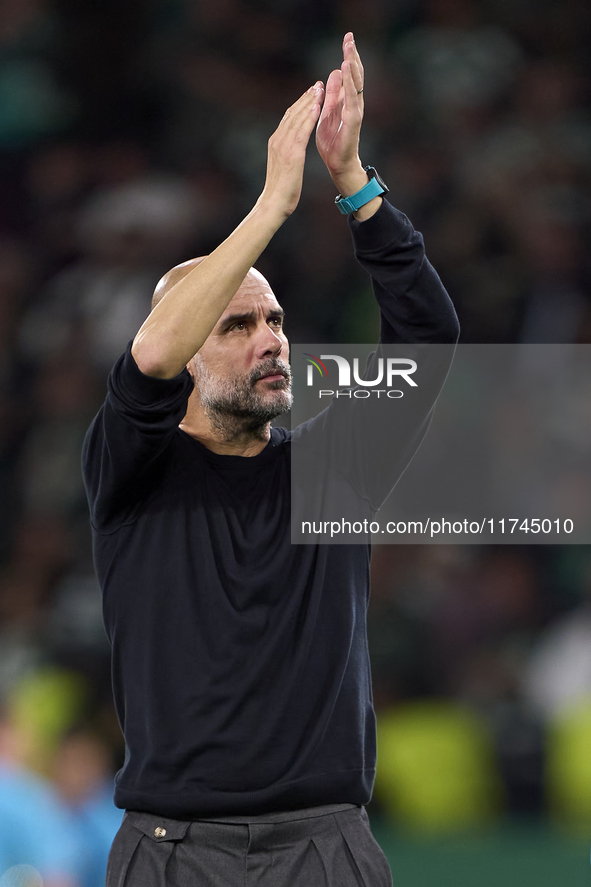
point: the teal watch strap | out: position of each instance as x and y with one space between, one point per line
374 188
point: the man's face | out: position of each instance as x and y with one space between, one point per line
242 371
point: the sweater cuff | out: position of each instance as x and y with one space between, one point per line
384 228
149 389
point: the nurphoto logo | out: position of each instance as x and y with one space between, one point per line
389 371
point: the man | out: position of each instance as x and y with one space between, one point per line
240 667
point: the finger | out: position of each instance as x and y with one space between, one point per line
357 75
299 119
351 95
312 105
333 92
351 53
352 56
304 103
306 96
334 83
317 100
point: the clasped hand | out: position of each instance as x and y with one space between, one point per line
338 111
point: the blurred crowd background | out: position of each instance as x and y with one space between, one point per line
132 137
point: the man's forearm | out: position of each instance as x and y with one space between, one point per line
414 304
181 322
183 319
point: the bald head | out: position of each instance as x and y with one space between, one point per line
176 274
172 277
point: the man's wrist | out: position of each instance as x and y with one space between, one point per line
368 209
349 181
270 212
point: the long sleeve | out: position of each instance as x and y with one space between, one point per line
132 430
414 304
356 450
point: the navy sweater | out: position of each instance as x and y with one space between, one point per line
240 666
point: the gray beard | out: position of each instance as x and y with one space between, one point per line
236 409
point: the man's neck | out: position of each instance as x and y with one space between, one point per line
239 445
228 436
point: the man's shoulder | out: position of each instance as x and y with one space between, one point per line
280 436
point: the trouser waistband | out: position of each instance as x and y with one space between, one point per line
282 816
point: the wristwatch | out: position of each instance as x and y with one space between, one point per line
374 188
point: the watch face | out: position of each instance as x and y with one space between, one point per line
373 173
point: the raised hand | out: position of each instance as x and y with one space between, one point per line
181 321
287 151
339 126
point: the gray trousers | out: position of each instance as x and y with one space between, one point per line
330 846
